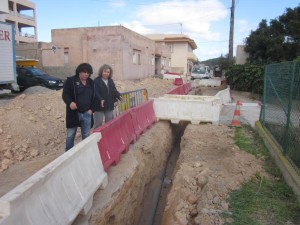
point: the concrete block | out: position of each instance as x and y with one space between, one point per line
57 193
224 95
191 108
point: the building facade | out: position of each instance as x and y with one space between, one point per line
241 55
131 55
22 14
181 47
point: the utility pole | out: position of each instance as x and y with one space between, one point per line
230 54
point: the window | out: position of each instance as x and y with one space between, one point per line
66 56
136 57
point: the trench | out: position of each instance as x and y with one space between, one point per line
157 190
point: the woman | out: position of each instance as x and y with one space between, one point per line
106 95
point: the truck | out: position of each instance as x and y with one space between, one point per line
8 77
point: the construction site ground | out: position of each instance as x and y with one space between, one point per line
209 166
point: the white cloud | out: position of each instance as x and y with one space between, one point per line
117 4
191 17
138 27
195 15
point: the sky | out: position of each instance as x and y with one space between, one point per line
207 22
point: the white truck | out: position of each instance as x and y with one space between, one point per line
8 79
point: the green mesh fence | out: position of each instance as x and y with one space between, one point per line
281 106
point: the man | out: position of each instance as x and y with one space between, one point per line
78 94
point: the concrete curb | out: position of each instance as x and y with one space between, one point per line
291 176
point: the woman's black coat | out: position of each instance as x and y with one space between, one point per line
107 93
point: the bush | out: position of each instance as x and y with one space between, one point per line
248 77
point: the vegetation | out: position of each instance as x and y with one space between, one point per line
264 199
248 77
274 42
277 41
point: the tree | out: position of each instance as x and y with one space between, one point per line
278 41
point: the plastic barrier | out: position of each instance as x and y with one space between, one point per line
143 117
224 95
178 81
181 90
206 82
60 191
191 108
117 134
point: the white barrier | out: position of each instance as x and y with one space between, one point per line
224 95
206 83
171 76
57 193
191 108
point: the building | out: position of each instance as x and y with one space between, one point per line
3 10
131 55
22 14
181 47
241 55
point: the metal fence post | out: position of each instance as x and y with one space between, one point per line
288 119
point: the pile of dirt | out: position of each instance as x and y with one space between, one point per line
32 125
210 166
156 86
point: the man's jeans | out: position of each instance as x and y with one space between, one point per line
85 126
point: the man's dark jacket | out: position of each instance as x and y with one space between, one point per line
107 93
70 93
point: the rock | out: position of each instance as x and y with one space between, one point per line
48 108
201 180
8 154
224 206
22 96
216 200
193 212
34 152
8 137
197 164
192 199
45 142
5 163
1 131
181 218
31 118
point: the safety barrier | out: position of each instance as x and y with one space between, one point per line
178 81
60 191
191 108
181 90
118 133
130 100
224 95
143 117
206 83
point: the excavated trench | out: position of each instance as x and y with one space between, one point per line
139 184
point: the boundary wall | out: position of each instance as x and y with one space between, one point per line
290 173
60 191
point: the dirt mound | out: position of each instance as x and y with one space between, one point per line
37 89
210 166
33 124
156 87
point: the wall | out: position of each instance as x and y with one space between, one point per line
241 55
112 45
179 57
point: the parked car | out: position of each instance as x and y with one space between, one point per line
200 72
32 76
